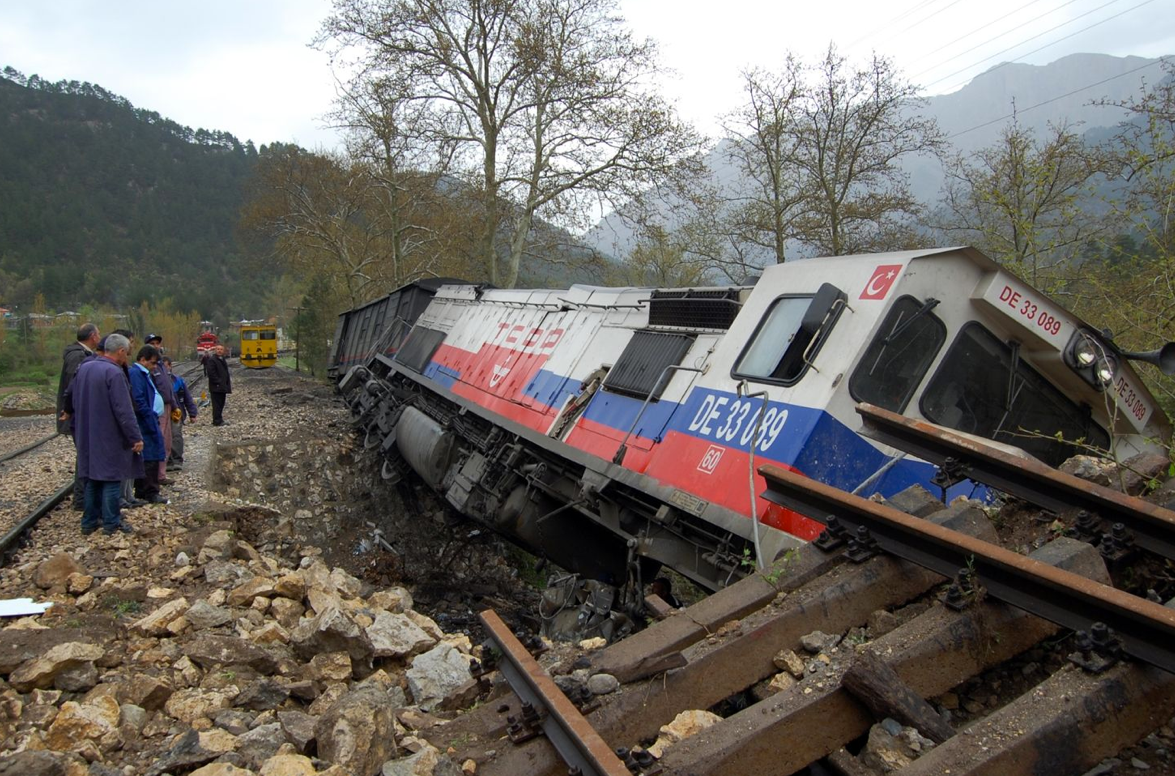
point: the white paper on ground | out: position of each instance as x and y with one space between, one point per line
19 607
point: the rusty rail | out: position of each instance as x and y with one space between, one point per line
1146 629
580 746
1152 526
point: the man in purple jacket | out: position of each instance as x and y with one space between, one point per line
106 433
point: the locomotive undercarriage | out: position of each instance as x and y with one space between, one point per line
583 514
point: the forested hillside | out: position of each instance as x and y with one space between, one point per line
105 203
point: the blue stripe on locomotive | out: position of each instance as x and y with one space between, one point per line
812 440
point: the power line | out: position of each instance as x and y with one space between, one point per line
927 17
1026 40
1054 99
1047 45
984 27
917 7
1007 32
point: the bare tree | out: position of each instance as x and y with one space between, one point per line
763 137
544 105
1024 201
851 130
405 196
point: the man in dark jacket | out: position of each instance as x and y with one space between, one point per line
148 409
186 409
219 383
107 435
73 356
162 379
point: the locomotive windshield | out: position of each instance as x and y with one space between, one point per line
790 335
983 388
896 361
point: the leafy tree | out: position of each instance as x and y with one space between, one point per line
1135 283
1025 201
664 259
543 106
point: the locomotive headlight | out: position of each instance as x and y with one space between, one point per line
1104 371
1084 352
1090 356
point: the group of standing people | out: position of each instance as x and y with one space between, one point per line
126 418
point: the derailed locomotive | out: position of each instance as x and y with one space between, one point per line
616 430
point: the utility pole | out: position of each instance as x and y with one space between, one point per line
297 339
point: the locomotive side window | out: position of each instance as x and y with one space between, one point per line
249 335
268 335
982 387
897 359
790 336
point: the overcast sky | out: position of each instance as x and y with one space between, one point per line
245 66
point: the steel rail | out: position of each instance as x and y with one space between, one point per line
12 537
577 742
1146 629
1152 526
27 448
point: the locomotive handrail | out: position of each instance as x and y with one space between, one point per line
618 458
640 304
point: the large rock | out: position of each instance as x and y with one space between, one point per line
218 546
150 692
55 571
77 679
394 635
223 573
436 675
286 612
184 753
358 732
331 631
684 725
260 743
262 695
40 672
288 765
427 762
396 600
208 650
96 721
329 667
202 614
243 594
345 585
221 769
298 727
155 623
193 704
34 763
292 586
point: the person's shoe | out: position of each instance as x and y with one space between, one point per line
76 507
156 500
174 467
166 481
122 527
88 529
221 423
124 504
135 503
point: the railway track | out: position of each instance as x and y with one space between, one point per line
971 605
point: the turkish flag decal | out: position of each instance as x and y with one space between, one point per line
881 281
